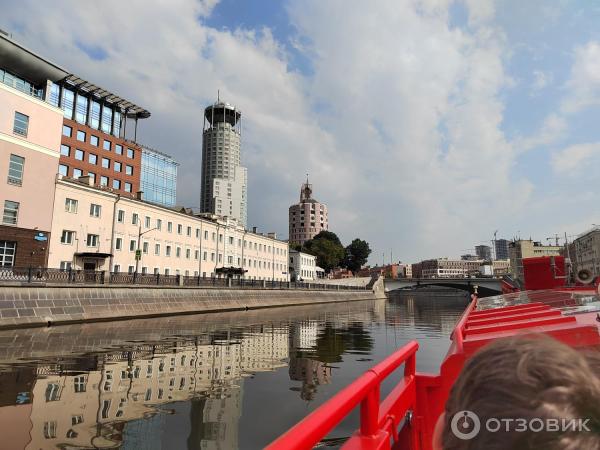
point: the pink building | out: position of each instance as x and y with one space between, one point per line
308 217
30 130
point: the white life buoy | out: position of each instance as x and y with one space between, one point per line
584 276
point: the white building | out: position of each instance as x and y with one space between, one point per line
224 180
96 229
302 266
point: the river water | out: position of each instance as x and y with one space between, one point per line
213 381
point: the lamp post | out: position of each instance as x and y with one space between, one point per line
138 249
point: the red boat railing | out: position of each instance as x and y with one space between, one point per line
458 333
378 421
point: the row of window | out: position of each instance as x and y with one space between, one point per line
79 155
88 111
95 141
63 169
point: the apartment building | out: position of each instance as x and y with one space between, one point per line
308 217
29 154
101 230
585 252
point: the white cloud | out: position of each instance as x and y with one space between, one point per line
584 83
541 80
399 121
574 157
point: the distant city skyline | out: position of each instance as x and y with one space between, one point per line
502 141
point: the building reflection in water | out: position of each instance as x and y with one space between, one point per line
93 402
179 382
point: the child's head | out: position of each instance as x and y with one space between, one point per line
519 379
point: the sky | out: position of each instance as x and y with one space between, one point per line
425 125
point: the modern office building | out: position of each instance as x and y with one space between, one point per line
96 229
224 180
501 247
94 135
158 180
29 153
483 252
307 218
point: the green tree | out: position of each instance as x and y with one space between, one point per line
357 254
328 249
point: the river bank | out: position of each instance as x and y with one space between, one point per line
30 306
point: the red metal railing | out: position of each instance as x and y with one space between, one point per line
459 330
378 421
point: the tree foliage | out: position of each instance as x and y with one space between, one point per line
357 254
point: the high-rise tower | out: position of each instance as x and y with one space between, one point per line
308 217
224 180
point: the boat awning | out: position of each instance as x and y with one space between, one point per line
231 270
93 255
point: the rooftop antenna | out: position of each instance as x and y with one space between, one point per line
218 96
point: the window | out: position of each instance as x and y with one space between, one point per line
106 145
132 245
106 163
15 170
92 240
188 253
204 256
94 140
118 245
21 124
197 255
95 115
65 265
81 135
127 187
170 227
147 221
95 210
117 166
63 170
67 237
189 231
103 181
168 251
157 249
118 149
71 205
178 252
205 235
134 219
7 253
130 153
79 155
81 109
166 271
179 228
158 224
129 170
79 383
116 184
130 270
121 216
11 212
145 248
92 159
50 430
65 150
77 173
67 131
107 113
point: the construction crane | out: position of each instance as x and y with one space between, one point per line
556 237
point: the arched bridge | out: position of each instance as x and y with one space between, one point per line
485 286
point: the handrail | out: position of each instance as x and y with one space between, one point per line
365 390
458 334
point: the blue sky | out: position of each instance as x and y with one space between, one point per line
425 125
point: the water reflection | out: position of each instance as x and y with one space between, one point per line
195 381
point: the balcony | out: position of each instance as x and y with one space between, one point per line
20 85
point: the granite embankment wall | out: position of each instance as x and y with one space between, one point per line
27 306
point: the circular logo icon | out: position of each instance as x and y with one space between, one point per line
465 425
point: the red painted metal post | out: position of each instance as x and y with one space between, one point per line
369 412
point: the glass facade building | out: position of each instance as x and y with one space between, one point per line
158 177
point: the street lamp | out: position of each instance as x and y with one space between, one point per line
138 256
